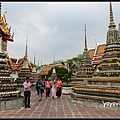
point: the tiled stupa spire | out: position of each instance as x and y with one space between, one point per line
85 70
26 68
109 67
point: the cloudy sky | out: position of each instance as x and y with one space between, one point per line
57 28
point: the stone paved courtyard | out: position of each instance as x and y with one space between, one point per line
58 108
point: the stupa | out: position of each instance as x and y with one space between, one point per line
104 85
54 74
86 69
26 70
34 73
109 69
9 95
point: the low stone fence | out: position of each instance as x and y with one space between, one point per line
12 104
99 104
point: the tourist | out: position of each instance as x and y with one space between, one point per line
40 88
58 87
37 87
27 85
48 86
44 82
53 89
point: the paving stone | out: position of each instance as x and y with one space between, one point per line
58 108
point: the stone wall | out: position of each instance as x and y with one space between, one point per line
11 104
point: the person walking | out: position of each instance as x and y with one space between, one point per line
27 85
53 89
48 86
40 88
58 88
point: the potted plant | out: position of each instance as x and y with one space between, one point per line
67 88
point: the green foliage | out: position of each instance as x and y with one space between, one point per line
67 77
59 71
41 76
50 72
73 62
32 64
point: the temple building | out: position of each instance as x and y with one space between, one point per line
86 69
104 85
98 53
45 69
8 88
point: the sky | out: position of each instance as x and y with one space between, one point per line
56 30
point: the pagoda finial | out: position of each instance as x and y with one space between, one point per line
38 61
119 30
85 39
41 62
54 59
112 24
26 46
34 57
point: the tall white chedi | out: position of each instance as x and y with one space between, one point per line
54 75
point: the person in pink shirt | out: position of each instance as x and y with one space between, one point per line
48 86
58 88
27 85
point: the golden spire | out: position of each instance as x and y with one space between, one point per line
85 39
112 24
26 56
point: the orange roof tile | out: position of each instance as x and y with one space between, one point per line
100 49
91 53
45 69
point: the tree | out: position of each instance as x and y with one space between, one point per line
67 77
59 71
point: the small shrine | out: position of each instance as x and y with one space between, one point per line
54 74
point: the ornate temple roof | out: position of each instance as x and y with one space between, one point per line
91 53
97 57
100 49
45 69
15 63
4 28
